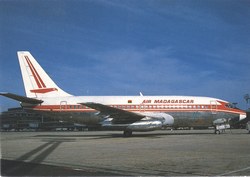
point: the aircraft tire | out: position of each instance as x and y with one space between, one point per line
217 132
127 133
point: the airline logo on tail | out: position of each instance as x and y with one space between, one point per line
39 82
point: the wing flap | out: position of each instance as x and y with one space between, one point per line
22 99
119 116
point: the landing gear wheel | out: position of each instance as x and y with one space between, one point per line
127 133
217 132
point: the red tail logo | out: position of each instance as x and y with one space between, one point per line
39 82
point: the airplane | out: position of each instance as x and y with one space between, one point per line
124 113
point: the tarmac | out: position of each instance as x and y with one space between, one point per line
108 153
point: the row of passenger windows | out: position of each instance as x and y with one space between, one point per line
161 107
141 107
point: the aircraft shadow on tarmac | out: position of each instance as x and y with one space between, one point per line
41 152
38 155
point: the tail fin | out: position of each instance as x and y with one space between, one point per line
36 81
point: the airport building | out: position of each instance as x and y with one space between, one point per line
17 119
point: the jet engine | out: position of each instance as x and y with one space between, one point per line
152 121
166 119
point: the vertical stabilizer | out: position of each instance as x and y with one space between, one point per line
36 81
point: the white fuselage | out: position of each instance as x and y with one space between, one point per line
186 110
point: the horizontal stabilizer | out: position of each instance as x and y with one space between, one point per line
22 99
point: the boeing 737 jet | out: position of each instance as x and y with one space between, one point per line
125 113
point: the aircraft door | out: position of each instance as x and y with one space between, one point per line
213 106
63 105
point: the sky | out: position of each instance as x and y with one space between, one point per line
123 47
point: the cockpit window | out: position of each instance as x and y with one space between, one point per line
231 105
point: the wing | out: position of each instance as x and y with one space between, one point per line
21 98
119 116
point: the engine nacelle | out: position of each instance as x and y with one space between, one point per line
152 121
219 121
166 119
145 125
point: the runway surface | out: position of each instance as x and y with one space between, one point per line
162 153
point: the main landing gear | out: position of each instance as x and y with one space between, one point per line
127 133
217 132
